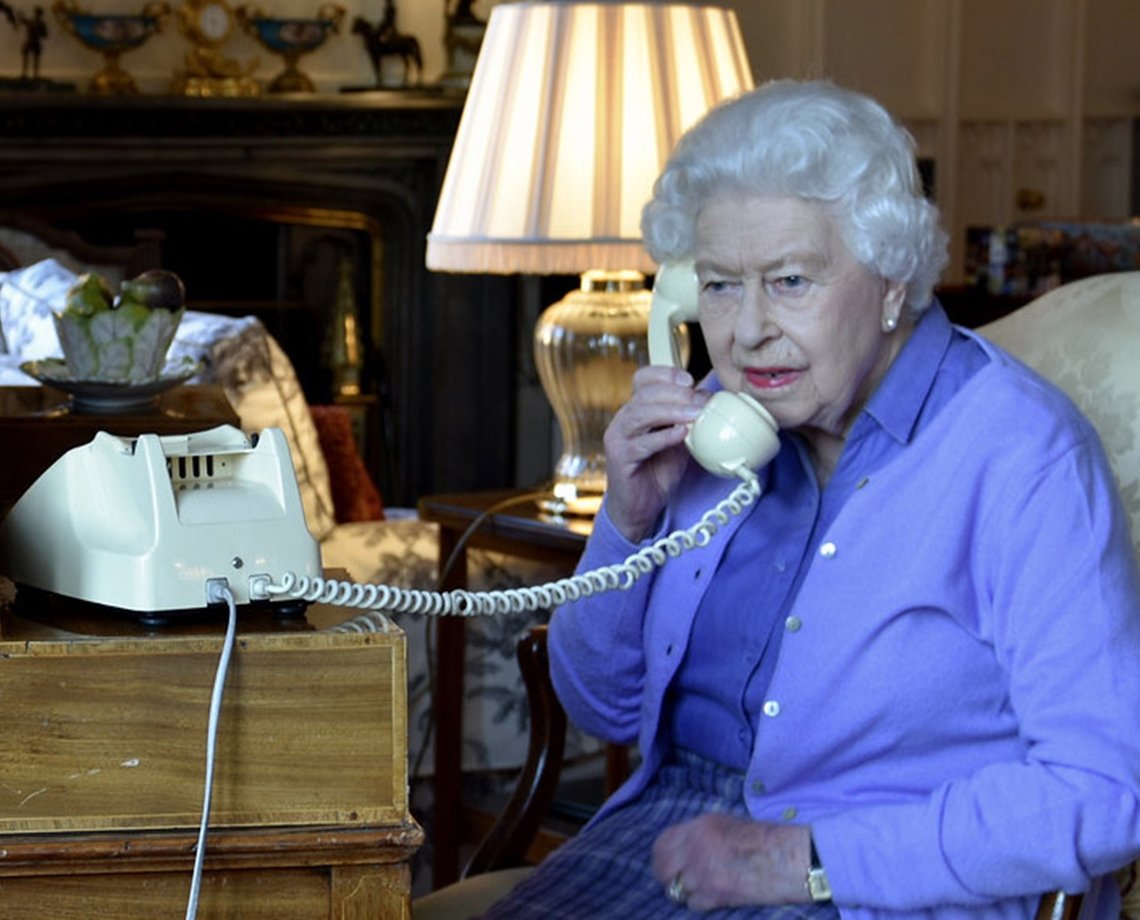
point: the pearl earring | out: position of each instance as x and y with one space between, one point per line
889 324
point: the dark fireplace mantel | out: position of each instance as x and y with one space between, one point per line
443 344
426 117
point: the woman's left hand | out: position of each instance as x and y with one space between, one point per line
722 861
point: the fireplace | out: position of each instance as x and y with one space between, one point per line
263 203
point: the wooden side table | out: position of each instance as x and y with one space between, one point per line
520 529
37 426
103 758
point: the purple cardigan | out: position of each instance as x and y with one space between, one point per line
956 714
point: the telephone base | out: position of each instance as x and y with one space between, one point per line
45 606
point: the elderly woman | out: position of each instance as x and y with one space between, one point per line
906 681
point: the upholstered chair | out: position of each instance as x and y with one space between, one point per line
1085 337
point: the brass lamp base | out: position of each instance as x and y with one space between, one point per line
587 347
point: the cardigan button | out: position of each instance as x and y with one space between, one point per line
828 550
771 708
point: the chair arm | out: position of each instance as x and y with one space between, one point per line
506 844
1057 905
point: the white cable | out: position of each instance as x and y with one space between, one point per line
620 576
216 591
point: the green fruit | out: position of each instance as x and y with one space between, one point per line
155 289
131 316
88 295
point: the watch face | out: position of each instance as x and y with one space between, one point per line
818 885
213 21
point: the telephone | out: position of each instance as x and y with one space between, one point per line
734 430
149 524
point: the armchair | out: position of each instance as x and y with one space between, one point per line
1083 337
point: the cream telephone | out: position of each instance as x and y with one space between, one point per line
151 524
734 430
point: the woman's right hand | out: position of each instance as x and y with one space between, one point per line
645 452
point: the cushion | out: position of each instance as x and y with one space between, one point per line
11 375
3 344
354 493
28 297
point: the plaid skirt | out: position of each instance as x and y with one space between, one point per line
604 871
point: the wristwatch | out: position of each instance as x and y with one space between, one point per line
817 884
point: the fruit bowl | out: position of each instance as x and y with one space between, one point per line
121 340
101 397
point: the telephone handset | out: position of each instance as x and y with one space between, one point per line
733 430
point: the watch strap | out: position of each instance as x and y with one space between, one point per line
817 884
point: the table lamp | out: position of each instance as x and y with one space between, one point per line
572 111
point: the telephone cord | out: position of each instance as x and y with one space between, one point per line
217 591
620 576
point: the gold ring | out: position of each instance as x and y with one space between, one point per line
676 891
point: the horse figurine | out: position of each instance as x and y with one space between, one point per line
383 41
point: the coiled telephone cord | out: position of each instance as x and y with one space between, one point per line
620 576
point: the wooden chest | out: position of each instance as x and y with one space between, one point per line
103 763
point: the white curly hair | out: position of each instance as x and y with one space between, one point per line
816 141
